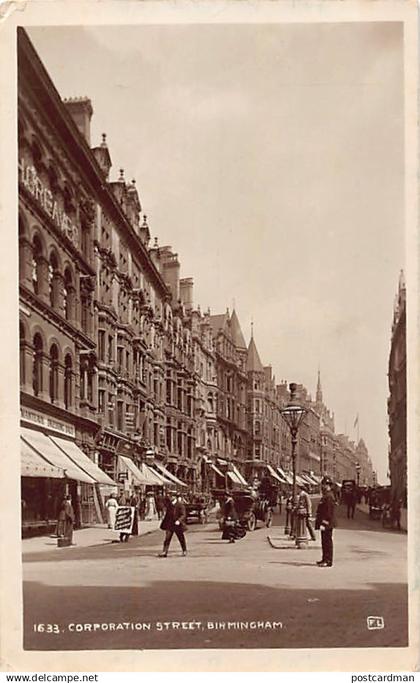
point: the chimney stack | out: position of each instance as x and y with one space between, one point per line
80 109
170 271
186 292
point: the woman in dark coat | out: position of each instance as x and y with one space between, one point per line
174 523
231 529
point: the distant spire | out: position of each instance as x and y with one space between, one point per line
318 388
103 143
121 178
252 328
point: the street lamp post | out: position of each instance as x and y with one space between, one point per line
293 415
358 468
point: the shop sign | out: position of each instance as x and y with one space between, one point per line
33 417
47 201
122 476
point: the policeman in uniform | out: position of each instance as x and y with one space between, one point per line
325 521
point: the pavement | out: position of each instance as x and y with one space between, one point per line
84 538
247 594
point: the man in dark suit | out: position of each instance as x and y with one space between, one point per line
174 523
325 521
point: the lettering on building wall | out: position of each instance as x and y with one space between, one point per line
30 179
48 422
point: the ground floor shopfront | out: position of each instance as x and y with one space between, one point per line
57 459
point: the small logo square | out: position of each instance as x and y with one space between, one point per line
375 623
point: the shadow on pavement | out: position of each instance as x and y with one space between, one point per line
310 618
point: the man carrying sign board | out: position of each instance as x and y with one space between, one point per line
123 522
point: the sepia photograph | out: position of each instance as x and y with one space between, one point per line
211 238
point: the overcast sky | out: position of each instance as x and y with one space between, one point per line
271 159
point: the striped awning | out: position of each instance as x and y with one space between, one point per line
127 465
274 474
49 451
169 475
33 465
82 460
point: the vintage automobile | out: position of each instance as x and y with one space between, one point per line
251 507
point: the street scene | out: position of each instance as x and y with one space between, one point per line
227 590
212 321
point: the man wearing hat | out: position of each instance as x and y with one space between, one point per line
305 502
325 521
174 522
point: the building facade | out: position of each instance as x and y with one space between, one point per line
397 401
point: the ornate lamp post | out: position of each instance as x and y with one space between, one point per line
293 415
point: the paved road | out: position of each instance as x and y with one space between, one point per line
245 595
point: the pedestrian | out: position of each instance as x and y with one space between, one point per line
160 505
174 523
122 502
325 521
134 502
304 501
351 499
231 530
111 508
66 519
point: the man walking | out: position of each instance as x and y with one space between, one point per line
304 501
325 521
351 499
174 523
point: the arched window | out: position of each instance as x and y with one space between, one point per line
22 353
37 365
67 292
68 381
52 280
53 373
36 264
83 379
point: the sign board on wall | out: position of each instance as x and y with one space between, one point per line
51 423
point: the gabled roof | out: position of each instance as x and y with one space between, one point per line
236 332
219 322
253 362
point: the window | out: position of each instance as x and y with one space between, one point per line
101 401
169 437
68 375
84 303
67 293
110 348
85 241
53 373
101 344
36 264
120 415
22 353
37 383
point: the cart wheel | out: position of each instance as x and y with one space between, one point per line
252 522
268 518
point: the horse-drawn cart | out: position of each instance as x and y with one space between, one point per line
197 508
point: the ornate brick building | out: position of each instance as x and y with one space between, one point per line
397 401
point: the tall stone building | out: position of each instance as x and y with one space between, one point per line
231 356
397 401
59 185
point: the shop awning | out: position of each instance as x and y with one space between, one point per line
287 477
128 465
45 447
240 477
216 469
33 465
274 474
153 478
233 477
169 475
82 460
300 480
